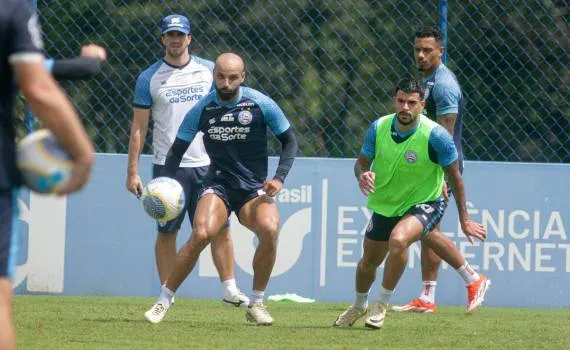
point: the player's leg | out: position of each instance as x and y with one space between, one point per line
211 215
221 245
165 245
7 335
165 253
261 216
430 263
414 225
7 241
223 256
476 284
375 248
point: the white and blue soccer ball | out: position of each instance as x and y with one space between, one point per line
163 198
44 164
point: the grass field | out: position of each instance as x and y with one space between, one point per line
54 322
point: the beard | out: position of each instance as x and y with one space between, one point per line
411 119
227 94
176 52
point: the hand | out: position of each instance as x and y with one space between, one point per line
444 192
366 182
272 187
474 229
94 51
79 176
134 185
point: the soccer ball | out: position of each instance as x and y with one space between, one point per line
163 198
44 164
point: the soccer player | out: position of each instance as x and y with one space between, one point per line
234 121
401 169
166 91
444 104
21 60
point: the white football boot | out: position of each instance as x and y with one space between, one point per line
156 313
377 316
258 314
349 317
238 300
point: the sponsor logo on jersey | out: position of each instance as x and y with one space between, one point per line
188 94
212 121
245 117
246 104
411 157
229 133
229 117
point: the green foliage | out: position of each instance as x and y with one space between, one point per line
331 65
53 322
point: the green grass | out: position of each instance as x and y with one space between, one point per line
54 322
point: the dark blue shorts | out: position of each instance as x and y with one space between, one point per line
191 181
8 231
430 213
234 199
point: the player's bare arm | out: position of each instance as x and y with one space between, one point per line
139 129
469 227
50 105
448 122
363 174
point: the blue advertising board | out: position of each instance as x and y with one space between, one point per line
100 241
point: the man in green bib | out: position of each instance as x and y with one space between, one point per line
401 169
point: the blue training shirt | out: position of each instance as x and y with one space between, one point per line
443 96
441 147
235 135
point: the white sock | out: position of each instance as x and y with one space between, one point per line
256 297
166 296
229 288
428 294
385 295
468 274
361 300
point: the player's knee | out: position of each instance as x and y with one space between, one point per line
269 228
200 237
397 243
368 263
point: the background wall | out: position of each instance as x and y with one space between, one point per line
100 241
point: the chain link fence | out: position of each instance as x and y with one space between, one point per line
331 65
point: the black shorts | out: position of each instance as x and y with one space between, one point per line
191 181
234 199
8 232
430 213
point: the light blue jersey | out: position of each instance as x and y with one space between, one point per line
441 148
443 96
48 64
169 92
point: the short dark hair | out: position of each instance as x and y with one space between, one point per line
430 32
410 85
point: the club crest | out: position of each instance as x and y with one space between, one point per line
411 157
245 117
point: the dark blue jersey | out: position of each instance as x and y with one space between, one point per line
443 96
20 41
235 135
